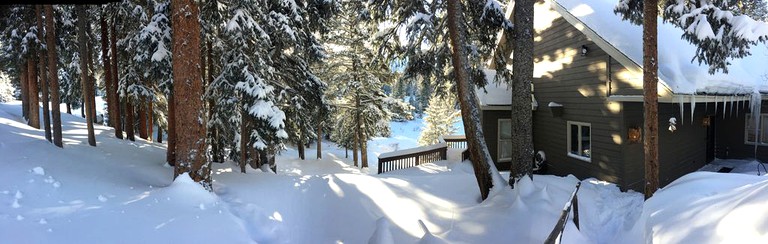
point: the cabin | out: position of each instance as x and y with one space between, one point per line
588 104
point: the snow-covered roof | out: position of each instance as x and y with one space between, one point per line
676 71
495 93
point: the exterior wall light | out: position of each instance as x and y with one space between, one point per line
706 121
584 50
634 134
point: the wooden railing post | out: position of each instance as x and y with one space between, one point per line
560 226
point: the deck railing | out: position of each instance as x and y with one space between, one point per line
557 233
412 157
454 141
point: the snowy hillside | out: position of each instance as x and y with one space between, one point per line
122 192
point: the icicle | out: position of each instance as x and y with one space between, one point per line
706 104
682 110
693 106
725 104
732 101
755 104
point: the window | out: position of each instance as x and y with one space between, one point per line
580 140
505 140
759 136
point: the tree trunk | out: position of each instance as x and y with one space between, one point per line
34 102
82 105
23 76
142 110
650 97
479 156
112 89
243 140
150 119
84 81
91 99
170 155
69 108
357 130
53 77
43 74
159 135
363 149
107 63
130 121
187 86
522 142
319 142
218 155
300 147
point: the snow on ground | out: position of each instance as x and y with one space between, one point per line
122 191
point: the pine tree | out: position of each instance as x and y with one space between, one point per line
522 117
358 78
190 129
53 75
435 31
86 84
720 29
43 72
441 115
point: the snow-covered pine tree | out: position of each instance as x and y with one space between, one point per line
15 19
441 117
720 29
246 72
211 25
356 79
136 56
427 47
292 26
68 58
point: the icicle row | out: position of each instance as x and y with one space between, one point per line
682 110
693 106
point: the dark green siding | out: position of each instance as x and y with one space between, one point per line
680 152
581 86
491 132
730 134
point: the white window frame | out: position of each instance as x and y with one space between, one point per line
499 140
568 136
762 126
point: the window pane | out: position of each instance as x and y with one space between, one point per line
750 128
505 149
585 140
762 131
574 138
505 129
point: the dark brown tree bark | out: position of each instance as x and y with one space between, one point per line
112 89
319 141
480 158
130 121
69 108
170 155
24 90
187 86
300 147
87 86
42 67
53 78
34 96
159 135
142 110
522 117
107 63
150 119
91 78
650 97
217 154
356 131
